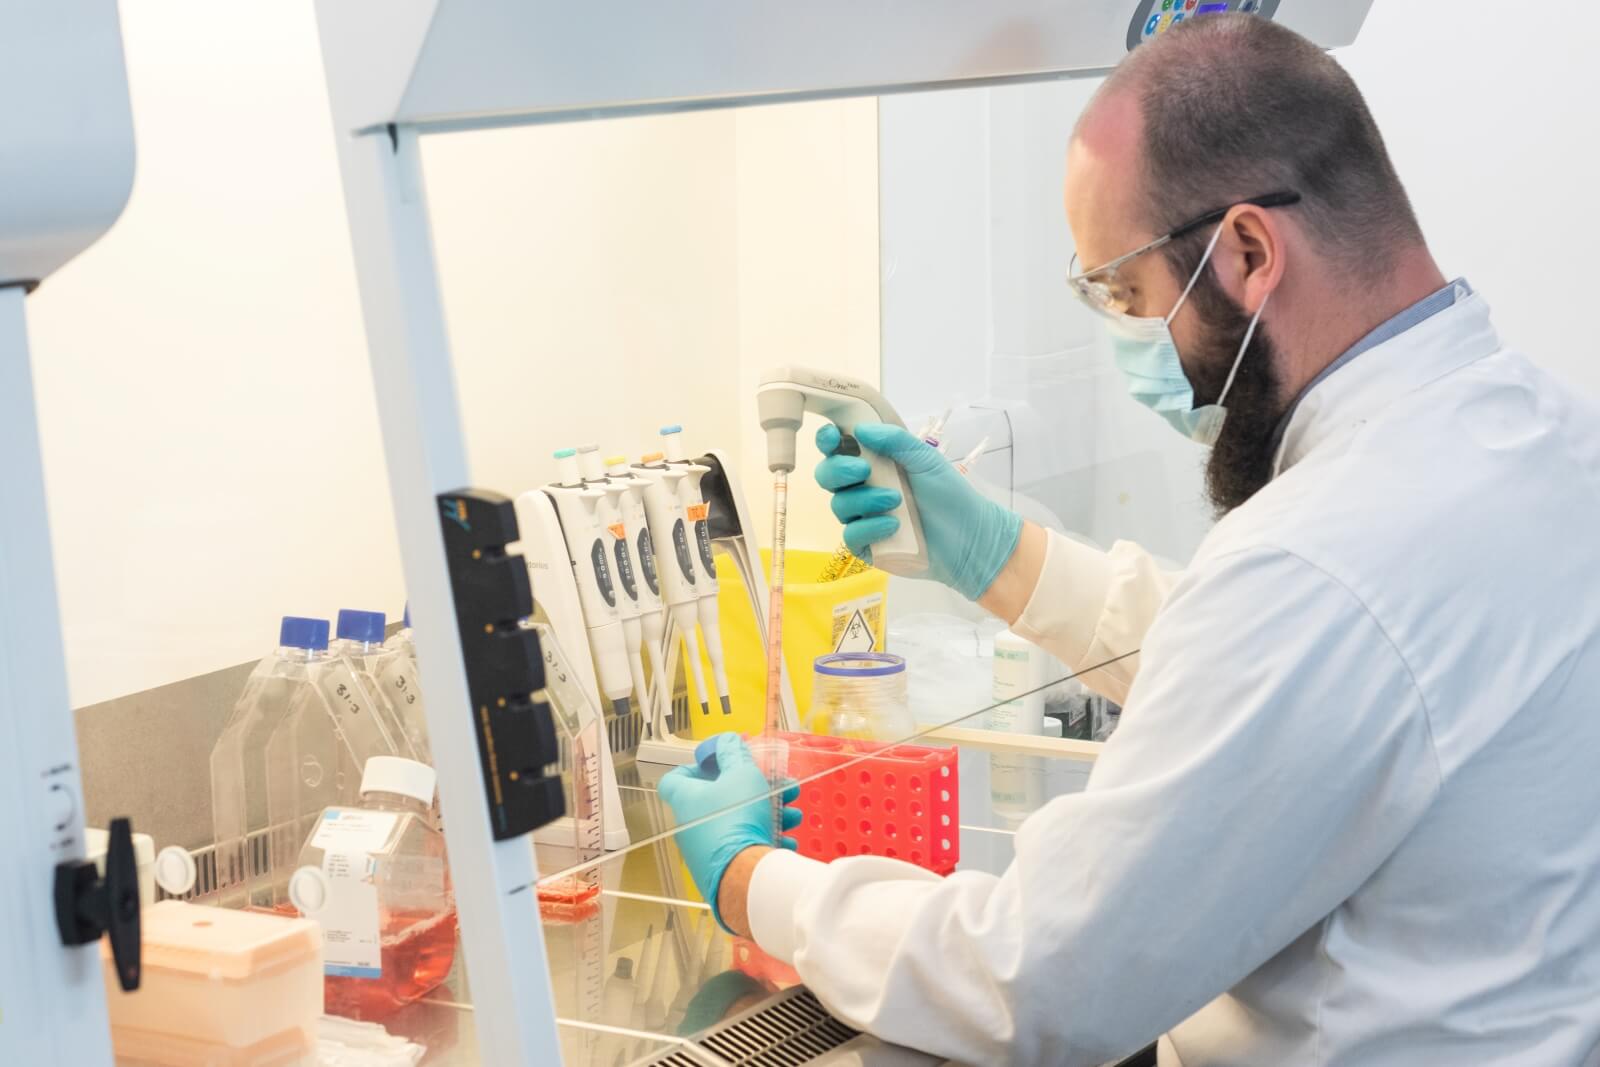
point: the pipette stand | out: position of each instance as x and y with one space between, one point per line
555 594
733 531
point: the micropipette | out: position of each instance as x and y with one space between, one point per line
642 554
675 566
697 511
628 606
579 508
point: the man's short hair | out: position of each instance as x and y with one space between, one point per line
1236 106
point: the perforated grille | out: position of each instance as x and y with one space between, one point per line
792 1030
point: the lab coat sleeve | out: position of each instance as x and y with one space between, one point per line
1279 753
1092 606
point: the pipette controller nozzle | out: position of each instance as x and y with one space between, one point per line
781 411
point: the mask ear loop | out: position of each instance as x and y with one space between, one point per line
1238 361
1184 299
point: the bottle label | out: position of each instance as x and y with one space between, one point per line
351 943
647 560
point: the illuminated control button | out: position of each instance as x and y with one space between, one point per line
1177 18
1166 21
1192 4
1166 5
1150 27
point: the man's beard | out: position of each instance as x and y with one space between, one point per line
1241 461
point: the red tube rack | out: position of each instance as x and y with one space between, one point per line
902 802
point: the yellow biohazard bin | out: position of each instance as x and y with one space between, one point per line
846 615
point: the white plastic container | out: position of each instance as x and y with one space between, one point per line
1021 670
221 981
97 842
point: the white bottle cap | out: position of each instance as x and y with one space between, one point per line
308 890
392 774
175 870
589 460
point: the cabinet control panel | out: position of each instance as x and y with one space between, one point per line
1155 17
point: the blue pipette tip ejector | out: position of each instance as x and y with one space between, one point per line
668 431
566 453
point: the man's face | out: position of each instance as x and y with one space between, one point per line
1106 213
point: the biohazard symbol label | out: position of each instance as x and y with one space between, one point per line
857 624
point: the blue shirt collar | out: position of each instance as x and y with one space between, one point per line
1415 315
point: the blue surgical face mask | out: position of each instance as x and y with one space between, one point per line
1148 357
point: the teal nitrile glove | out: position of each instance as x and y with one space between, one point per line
970 539
694 793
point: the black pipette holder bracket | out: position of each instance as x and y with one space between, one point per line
517 743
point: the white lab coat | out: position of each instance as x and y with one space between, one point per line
1352 814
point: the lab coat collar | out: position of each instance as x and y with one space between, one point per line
1443 343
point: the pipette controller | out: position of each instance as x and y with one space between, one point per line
669 527
697 511
581 509
783 398
628 490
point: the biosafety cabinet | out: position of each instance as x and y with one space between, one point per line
574 225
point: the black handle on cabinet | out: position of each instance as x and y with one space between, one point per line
89 905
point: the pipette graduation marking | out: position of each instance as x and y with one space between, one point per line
698 512
780 537
675 566
578 506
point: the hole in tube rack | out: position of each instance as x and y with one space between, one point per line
944 796
944 820
944 844
916 810
839 848
891 853
866 777
916 833
916 785
865 850
888 781
866 828
839 824
888 804
944 772
889 830
916 857
816 822
838 800
866 803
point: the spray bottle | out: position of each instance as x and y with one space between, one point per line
697 512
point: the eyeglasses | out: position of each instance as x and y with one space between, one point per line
1101 290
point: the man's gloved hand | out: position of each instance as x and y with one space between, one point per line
970 539
693 793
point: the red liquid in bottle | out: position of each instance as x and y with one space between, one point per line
417 951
